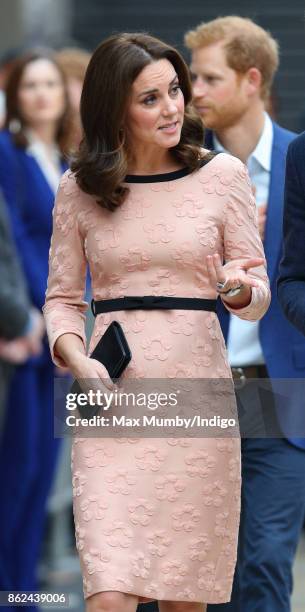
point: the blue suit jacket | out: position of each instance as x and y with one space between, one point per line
30 202
283 346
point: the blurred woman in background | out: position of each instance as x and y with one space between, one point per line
33 145
74 61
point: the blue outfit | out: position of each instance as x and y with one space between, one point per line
28 450
292 269
273 469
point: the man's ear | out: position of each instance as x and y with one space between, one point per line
254 79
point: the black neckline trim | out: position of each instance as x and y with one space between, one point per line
167 176
157 178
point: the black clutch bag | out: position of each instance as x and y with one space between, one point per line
113 352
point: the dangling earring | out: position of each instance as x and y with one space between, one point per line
14 126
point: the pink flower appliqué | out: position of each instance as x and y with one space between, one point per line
222 588
221 522
202 352
186 518
234 469
211 322
180 370
216 180
186 595
234 250
135 259
252 209
93 508
206 576
189 206
120 481
199 547
64 216
186 257
208 234
154 590
199 463
78 482
234 218
108 238
61 262
69 184
133 322
118 535
135 207
116 286
141 512
156 348
95 561
214 494
181 323
159 231
86 220
169 487
79 536
149 458
158 542
173 572
140 565
164 282
98 455
183 442
225 446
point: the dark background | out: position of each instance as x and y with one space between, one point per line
93 20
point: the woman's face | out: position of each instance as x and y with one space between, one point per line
41 95
156 109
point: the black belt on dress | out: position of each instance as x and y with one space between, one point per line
152 302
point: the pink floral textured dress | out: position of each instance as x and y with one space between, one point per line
156 517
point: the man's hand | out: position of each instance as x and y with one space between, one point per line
261 215
15 351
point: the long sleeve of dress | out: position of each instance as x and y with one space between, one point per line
242 240
64 306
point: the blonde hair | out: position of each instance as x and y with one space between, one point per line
73 62
246 44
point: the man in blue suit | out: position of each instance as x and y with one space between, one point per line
292 268
233 64
291 282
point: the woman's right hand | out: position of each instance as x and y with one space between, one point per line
91 374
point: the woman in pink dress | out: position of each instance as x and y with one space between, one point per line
153 214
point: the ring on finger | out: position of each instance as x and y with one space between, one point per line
221 286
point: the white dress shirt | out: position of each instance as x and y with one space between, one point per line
244 347
48 159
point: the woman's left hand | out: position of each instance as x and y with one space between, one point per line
232 274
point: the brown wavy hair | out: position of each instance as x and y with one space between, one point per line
13 111
101 163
